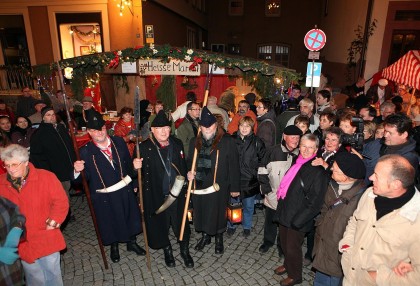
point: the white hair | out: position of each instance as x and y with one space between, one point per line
14 152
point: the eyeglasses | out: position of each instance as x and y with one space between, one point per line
308 147
259 107
12 166
196 109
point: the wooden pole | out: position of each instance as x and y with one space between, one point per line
188 195
143 222
411 99
84 181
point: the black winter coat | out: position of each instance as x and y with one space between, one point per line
210 209
153 175
117 213
251 151
52 150
302 204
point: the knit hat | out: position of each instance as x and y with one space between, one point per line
351 165
95 121
161 120
207 119
292 130
87 99
44 110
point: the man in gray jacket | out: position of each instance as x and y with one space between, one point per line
277 161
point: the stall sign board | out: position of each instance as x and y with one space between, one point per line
173 67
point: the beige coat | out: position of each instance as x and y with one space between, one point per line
382 245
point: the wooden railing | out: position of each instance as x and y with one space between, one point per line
15 78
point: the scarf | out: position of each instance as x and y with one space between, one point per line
290 175
106 150
386 205
194 124
18 183
204 161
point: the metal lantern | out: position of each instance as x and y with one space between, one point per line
234 212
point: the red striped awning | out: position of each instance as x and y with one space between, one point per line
406 70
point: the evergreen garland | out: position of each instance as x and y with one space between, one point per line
258 74
166 92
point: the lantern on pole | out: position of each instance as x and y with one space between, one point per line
234 212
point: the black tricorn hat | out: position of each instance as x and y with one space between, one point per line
95 121
161 120
207 119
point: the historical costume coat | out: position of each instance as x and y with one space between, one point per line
210 209
154 192
117 213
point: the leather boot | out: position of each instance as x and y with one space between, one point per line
133 246
169 256
115 255
185 254
205 240
219 248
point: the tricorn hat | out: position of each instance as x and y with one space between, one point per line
161 120
207 119
95 121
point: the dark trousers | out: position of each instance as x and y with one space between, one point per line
291 243
174 220
270 228
310 241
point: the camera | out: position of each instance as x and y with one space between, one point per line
355 140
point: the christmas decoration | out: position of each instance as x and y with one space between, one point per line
260 75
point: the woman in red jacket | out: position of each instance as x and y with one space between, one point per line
42 200
125 128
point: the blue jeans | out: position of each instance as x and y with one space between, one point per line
44 271
247 212
322 279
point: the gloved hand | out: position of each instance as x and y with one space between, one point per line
12 238
8 255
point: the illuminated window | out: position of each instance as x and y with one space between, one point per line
272 8
274 53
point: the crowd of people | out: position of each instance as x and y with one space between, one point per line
340 173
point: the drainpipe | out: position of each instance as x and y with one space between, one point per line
365 39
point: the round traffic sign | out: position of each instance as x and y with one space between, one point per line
315 40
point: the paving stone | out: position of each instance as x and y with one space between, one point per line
241 264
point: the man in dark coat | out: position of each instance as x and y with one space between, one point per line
162 161
276 162
52 148
343 194
301 194
108 167
25 104
87 112
217 164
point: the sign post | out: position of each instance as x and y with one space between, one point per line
314 41
150 35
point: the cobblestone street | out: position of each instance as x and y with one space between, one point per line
241 264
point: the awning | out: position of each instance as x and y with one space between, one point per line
406 70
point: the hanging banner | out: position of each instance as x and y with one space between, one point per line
174 67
